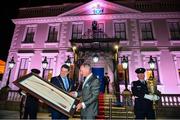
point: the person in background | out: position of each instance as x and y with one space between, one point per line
89 93
31 103
63 82
143 107
106 82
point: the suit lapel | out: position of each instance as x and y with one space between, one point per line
70 86
88 81
60 82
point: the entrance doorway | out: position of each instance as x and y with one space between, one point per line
99 72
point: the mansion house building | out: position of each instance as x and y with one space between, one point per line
142 28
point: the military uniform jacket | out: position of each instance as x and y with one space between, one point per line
139 89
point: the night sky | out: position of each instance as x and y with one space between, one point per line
9 10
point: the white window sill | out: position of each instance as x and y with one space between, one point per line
149 42
124 42
27 45
173 42
51 44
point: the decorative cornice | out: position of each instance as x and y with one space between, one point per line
159 15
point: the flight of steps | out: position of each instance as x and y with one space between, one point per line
117 111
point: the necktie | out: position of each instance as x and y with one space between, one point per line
143 82
84 81
66 84
84 78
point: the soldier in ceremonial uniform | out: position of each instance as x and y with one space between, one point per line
31 105
143 107
106 82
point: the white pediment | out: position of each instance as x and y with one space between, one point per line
108 8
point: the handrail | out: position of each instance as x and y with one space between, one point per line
110 108
167 100
170 100
13 95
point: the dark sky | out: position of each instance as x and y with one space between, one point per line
9 10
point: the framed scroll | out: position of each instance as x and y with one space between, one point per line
48 93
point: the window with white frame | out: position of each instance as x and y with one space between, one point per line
100 31
30 32
53 34
77 30
49 70
101 27
23 67
146 31
174 28
120 30
179 72
121 73
155 71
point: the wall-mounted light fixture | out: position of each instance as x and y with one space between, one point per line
44 65
95 58
68 61
152 65
10 65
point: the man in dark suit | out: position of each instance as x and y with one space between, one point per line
89 93
31 103
143 107
106 82
62 81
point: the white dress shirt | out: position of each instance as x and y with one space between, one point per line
85 81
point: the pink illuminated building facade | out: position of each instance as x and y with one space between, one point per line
144 29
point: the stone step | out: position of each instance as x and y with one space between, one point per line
107 117
107 112
14 115
113 108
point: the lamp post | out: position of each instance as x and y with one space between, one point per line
115 70
125 66
75 62
44 65
68 61
151 65
127 97
5 90
11 65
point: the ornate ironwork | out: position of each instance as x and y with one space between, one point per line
94 39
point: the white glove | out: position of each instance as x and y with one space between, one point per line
155 97
149 97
